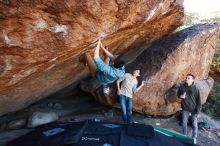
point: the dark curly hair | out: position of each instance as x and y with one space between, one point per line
119 62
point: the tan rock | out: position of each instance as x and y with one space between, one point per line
169 60
41 41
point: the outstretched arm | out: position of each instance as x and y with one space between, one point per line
109 54
96 53
138 88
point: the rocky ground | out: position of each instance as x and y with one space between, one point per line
80 106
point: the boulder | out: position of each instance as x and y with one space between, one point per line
169 60
166 62
39 118
17 124
41 41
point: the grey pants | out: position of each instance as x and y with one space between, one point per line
194 122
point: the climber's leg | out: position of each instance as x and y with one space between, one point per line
91 64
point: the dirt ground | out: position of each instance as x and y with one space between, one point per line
77 107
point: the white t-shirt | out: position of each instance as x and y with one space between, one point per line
129 85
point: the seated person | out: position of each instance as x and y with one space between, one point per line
104 72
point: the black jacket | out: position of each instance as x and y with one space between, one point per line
192 102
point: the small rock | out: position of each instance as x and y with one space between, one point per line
16 124
39 118
109 114
50 105
57 106
158 124
97 120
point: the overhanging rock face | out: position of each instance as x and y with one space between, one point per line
166 62
41 41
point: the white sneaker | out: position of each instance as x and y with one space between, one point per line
194 140
106 90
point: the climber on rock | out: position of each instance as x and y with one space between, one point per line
104 72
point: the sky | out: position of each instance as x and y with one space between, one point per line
205 8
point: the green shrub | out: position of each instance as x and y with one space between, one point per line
212 106
215 67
